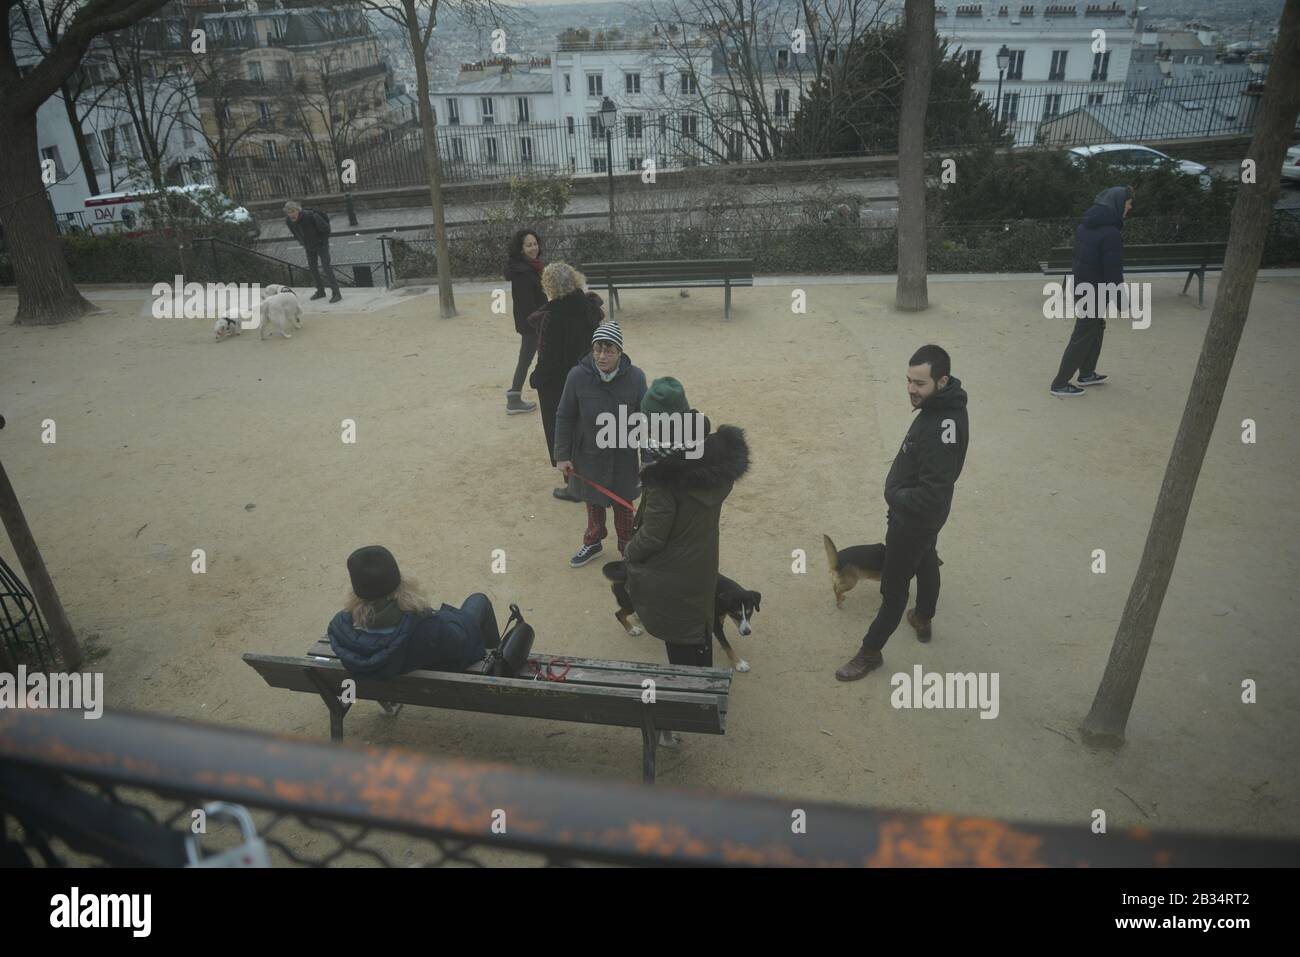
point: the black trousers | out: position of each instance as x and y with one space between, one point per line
479 607
549 400
527 349
701 655
1082 351
909 553
323 254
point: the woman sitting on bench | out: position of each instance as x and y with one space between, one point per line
388 628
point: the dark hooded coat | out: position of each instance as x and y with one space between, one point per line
672 559
1098 242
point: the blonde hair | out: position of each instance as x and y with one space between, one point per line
407 596
559 279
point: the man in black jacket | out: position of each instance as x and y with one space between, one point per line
918 493
1098 261
312 229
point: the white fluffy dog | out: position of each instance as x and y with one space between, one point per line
226 327
279 304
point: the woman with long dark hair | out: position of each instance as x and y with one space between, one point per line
524 270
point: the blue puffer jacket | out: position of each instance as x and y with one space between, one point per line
445 640
1098 244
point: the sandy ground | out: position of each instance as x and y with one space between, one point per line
166 440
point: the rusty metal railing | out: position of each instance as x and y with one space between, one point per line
124 789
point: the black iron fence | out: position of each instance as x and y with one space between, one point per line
132 790
1076 114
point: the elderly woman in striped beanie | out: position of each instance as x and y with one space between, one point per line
602 383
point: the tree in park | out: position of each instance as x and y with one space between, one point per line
911 291
1104 726
417 18
856 107
46 293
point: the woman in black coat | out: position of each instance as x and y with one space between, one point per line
565 328
524 270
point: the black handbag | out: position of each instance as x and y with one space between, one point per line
508 658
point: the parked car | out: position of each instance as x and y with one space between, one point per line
1291 165
127 211
1127 156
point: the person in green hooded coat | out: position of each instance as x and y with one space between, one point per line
672 557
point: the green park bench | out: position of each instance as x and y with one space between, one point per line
670 274
1196 258
583 690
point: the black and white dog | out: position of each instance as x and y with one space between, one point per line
730 601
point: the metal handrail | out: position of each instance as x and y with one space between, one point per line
212 241
560 817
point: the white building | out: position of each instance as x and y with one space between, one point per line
1061 56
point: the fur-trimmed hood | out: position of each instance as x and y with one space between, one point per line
725 460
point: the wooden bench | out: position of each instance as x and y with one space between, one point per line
1196 258
670 274
588 691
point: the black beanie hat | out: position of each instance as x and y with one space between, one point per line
374 572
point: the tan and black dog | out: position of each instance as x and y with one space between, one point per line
850 565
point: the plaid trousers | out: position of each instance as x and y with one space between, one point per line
596 529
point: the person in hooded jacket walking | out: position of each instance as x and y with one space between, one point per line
918 494
524 270
387 627
565 327
599 385
1098 260
672 559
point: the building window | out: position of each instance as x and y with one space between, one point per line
569 125
782 105
284 69
453 113
490 145
593 122
661 82
573 163
1053 104
689 84
634 127
598 164
1058 65
1100 65
1010 106
255 71
485 107
264 112
733 59
1095 99
783 59
52 153
973 56
271 151
568 83
634 164
663 124
521 109
632 82
733 144
526 149
690 124
457 148
595 84
1016 68
187 134
299 150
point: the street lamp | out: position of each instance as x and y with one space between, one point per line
1004 61
608 114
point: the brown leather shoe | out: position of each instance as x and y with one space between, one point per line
922 625
860 665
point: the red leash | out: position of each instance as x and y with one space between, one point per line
600 488
543 670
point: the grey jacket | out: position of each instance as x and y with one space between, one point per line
585 397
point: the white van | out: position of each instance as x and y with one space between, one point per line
124 212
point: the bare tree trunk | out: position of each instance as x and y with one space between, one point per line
46 292
911 293
29 556
1104 726
446 299
83 151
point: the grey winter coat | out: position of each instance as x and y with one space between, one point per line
585 397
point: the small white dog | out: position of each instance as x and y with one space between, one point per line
279 304
226 327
